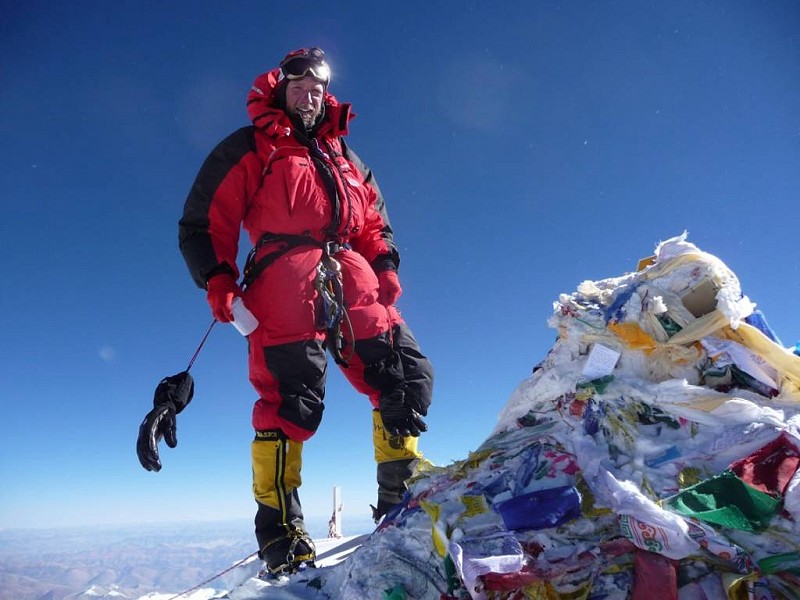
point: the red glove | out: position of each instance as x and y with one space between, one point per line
390 289
222 289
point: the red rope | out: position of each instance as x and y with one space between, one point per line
210 579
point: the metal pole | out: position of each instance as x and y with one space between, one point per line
335 524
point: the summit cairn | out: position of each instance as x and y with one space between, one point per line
654 451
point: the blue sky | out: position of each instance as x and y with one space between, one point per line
522 147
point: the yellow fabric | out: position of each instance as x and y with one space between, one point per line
423 469
457 470
438 527
441 530
391 447
588 507
785 362
689 476
474 506
700 328
633 335
276 468
540 590
736 585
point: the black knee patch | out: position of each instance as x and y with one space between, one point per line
383 366
300 369
417 370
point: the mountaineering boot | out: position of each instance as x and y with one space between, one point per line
283 543
383 509
392 478
394 455
290 550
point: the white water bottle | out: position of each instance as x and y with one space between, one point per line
243 319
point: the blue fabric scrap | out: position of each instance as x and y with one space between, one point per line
541 509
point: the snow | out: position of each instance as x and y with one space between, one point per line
577 490
97 591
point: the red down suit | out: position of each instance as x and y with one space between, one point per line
274 181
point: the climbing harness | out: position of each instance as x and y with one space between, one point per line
330 310
254 267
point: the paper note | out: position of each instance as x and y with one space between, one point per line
601 362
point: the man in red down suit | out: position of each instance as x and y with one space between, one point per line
322 275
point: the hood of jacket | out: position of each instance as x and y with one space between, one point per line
265 111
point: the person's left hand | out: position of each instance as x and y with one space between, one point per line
399 418
390 289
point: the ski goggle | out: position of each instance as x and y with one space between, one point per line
306 62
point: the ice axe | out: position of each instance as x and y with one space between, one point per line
172 395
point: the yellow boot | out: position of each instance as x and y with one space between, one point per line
282 540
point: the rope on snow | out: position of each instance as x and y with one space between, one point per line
218 575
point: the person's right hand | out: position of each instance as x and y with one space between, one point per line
222 289
389 290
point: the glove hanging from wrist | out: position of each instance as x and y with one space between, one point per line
221 290
172 395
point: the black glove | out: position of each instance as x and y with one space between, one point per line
159 423
171 397
399 417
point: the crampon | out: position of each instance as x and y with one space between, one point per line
288 555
